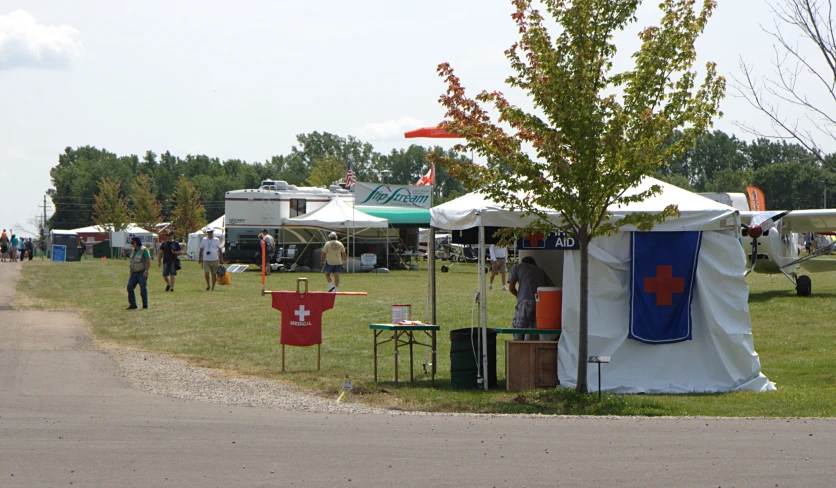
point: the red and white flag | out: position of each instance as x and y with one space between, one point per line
428 179
350 177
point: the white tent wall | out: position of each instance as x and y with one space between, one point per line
720 356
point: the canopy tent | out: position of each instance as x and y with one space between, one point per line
719 357
338 215
193 242
335 215
399 216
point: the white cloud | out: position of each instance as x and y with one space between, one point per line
26 44
388 130
15 153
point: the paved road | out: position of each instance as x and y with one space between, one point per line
66 418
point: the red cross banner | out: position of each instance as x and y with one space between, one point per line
663 274
302 316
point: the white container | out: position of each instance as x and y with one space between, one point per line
401 312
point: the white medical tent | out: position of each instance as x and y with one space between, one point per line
193 243
719 357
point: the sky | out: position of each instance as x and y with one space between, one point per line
242 79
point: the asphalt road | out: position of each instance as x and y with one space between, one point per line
67 418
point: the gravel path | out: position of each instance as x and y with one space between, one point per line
175 378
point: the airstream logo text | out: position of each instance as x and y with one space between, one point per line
383 195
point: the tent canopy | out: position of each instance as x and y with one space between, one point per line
337 215
399 216
719 357
696 211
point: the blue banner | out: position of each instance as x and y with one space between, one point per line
663 272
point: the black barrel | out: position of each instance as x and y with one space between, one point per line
464 357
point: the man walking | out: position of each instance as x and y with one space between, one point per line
167 259
269 246
140 264
210 257
333 260
30 248
499 256
529 277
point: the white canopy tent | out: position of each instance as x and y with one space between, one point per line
193 243
338 215
720 356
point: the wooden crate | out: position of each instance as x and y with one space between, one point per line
530 364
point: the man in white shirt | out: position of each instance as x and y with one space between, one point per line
210 256
499 257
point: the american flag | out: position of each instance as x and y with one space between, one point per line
350 177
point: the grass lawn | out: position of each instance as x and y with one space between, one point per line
235 329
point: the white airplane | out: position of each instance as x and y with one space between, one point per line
774 243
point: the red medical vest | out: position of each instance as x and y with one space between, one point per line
302 316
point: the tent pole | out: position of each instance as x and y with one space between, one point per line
431 275
483 313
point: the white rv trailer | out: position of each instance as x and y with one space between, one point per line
250 211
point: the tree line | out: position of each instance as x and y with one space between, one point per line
790 176
168 186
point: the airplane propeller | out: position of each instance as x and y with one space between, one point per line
759 229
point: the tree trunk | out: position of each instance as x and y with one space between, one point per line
583 325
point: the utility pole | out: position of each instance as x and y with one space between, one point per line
43 223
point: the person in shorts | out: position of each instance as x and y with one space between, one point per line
167 259
499 257
333 261
210 256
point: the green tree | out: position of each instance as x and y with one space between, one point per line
795 185
594 133
327 171
187 214
147 210
110 211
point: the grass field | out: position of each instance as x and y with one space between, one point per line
235 329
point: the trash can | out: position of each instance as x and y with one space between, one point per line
464 358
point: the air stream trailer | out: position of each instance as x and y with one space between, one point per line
250 211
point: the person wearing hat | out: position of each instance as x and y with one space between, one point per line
140 263
333 260
167 259
529 277
269 245
210 256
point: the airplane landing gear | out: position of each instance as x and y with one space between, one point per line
804 286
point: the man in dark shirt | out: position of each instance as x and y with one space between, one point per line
529 277
167 259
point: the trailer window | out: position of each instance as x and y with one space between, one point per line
297 207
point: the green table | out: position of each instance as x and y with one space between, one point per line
404 335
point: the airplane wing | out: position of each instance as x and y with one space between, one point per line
759 216
819 220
